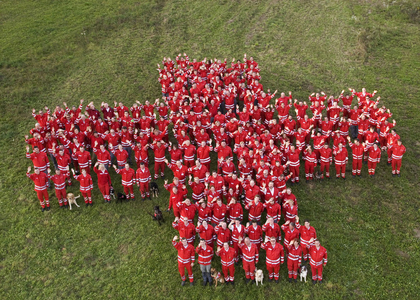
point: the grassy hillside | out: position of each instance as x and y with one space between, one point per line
55 51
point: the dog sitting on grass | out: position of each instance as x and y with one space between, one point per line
217 276
154 189
157 215
259 276
303 273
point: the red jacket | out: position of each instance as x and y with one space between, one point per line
288 234
83 158
187 232
143 176
59 181
187 211
250 254
204 255
306 234
255 210
295 254
40 160
181 172
86 183
227 257
254 233
207 234
398 152
186 255
40 180
318 256
128 177
223 235
272 231
274 255
103 177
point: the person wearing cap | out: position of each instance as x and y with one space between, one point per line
186 258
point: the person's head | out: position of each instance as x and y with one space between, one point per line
203 243
36 170
84 172
184 242
273 240
399 143
179 163
247 241
219 201
120 147
296 242
36 149
127 166
307 224
317 244
237 221
292 226
101 167
174 189
288 191
142 166
185 221
82 149
226 245
254 222
270 220
375 146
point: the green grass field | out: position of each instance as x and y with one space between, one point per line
55 51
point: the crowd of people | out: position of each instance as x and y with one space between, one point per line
208 106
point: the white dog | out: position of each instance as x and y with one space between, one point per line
72 199
303 272
259 276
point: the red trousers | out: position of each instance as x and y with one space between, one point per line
371 167
273 271
87 196
249 269
396 166
292 266
316 269
159 167
357 166
61 196
189 163
144 189
309 170
340 169
295 171
104 190
43 195
128 191
325 166
231 270
181 269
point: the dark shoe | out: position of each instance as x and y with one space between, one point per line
270 280
320 281
87 204
399 175
295 280
393 175
149 198
105 201
253 281
232 283
354 176
290 280
142 199
61 207
192 283
42 209
48 208
344 178
183 283
313 281
277 281
246 280
204 283
91 204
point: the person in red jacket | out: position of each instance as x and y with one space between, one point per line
274 257
250 257
128 178
227 255
255 209
104 181
189 153
121 156
254 233
187 210
223 234
185 229
307 233
238 231
397 154
143 179
205 255
340 158
60 186
186 258
310 163
358 150
180 171
177 193
206 232
374 158
326 160
159 150
86 185
294 259
83 159
294 166
271 229
41 181
318 260
290 232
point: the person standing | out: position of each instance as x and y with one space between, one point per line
59 180
340 158
227 255
86 185
186 258
374 158
274 257
128 178
249 258
397 154
294 259
104 181
318 260
358 150
205 255
41 181
143 179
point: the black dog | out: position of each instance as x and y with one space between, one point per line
157 215
121 197
154 189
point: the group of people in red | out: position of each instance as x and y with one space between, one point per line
208 106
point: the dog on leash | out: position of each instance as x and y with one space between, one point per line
72 199
303 273
217 276
259 276
112 192
154 189
157 215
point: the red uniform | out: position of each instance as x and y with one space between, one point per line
326 160
289 235
254 234
86 186
237 231
310 164
358 151
60 187
187 211
40 160
159 159
340 158
180 172
249 259
223 235
294 165
186 256
219 213
306 234
255 211
204 255
318 259
274 257
104 182
294 260
397 154
228 260
143 179
41 182
84 160
187 232
374 158
208 234
128 178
